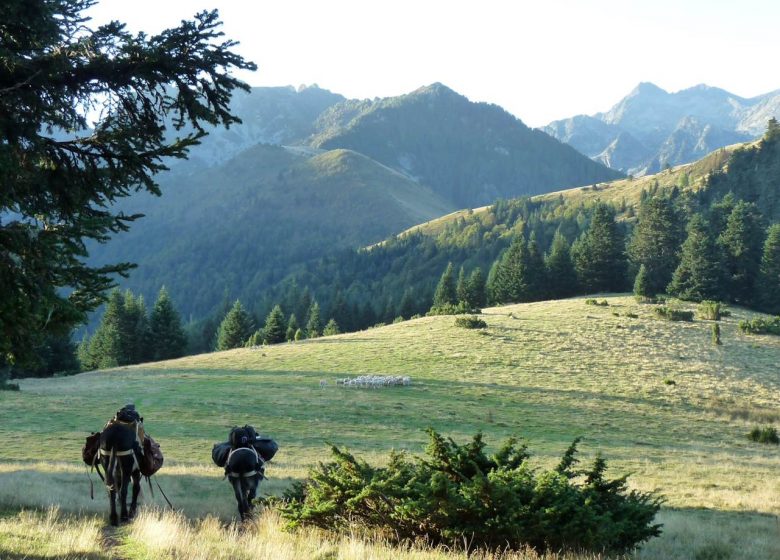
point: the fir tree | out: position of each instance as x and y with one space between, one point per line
314 325
299 335
561 276
407 308
656 242
235 329
510 282
167 335
152 96
536 272
445 290
642 285
769 279
460 288
599 255
274 330
292 328
476 297
331 328
742 241
772 130
699 275
106 347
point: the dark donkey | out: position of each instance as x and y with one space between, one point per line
118 451
245 469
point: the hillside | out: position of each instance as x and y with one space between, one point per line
651 128
237 228
656 398
469 153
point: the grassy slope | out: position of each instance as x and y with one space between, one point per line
614 192
547 371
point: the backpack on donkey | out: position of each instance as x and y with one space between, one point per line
265 446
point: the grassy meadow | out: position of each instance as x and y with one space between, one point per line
658 399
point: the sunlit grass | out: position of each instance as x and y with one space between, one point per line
548 372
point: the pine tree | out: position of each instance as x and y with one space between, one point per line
152 96
460 288
742 242
476 297
299 335
136 334
656 242
407 308
274 330
106 346
314 325
510 283
599 255
292 328
536 272
445 290
235 329
699 275
331 328
561 276
642 289
772 130
166 333
769 279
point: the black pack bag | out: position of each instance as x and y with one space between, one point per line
265 447
220 452
237 435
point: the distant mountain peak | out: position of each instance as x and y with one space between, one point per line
647 88
673 128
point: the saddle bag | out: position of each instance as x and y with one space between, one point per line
152 459
265 447
220 452
91 449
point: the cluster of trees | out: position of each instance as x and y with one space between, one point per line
128 334
465 295
237 329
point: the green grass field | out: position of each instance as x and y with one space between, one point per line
656 398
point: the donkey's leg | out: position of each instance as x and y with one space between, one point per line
112 499
136 490
252 483
126 465
240 496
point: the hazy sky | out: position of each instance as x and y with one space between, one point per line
541 60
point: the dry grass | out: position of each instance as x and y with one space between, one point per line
547 371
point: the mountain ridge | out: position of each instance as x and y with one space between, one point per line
650 119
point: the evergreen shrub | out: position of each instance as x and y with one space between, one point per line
458 493
461 308
710 310
470 322
761 326
671 314
766 435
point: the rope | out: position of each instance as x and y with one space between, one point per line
161 491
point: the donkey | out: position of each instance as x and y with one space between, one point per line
244 468
119 449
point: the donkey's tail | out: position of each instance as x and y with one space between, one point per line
110 470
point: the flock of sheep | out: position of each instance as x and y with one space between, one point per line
372 381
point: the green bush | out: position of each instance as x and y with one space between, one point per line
761 326
671 314
710 310
764 435
470 322
450 309
458 493
602 303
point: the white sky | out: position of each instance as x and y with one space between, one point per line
541 60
